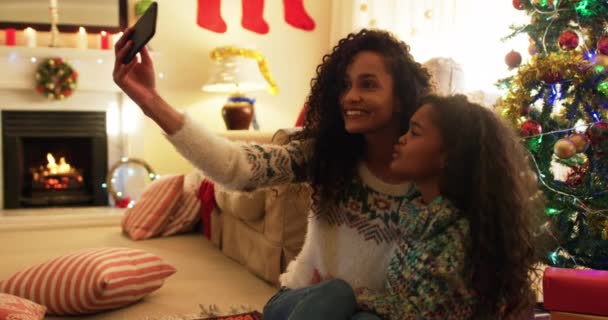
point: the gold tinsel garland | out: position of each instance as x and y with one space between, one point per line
541 70
229 52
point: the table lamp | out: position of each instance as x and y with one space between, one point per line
238 71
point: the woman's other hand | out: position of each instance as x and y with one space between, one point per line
316 277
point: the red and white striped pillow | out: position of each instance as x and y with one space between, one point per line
150 214
187 210
16 308
90 280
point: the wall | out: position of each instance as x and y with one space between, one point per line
183 48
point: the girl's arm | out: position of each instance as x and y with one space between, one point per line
427 281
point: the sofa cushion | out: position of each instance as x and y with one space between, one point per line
150 214
90 280
16 308
247 206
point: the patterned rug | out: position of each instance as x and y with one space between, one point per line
213 312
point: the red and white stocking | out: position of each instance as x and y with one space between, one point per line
209 16
253 16
296 15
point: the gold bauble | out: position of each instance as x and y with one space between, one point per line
580 141
564 149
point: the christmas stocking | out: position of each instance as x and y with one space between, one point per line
210 17
296 15
253 16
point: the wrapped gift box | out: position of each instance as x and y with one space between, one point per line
576 291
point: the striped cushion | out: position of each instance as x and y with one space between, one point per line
90 280
16 308
187 210
151 212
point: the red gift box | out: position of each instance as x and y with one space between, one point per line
576 291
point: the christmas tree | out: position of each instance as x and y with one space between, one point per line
558 102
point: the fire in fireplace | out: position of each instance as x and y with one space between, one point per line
54 159
57 183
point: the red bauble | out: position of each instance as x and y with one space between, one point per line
518 4
513 59
531 128
576 176
123 202
598 136
568 40
552 77
602 46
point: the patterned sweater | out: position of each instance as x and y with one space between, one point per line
425 277
364 223
360 243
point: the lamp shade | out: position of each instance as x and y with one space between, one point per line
235 74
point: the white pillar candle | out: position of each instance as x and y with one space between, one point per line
83 41
115 38
30 37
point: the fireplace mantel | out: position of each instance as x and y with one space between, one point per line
94 67
95 91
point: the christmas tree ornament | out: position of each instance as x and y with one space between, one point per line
598 136
577 172
530 128
209 16
513 59
552 77
603 88
253 16
564 149
580 141
518 4
296 16
568 40
602 46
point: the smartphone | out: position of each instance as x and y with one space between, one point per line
143 31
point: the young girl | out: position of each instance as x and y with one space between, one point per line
466 238
360 102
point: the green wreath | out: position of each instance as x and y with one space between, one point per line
55 79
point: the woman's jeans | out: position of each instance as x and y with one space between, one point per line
333 299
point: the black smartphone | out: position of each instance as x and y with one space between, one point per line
143 31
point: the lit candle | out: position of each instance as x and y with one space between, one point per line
9 39
53 3
82 39
30 37
104 41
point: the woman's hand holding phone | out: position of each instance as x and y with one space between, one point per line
136 79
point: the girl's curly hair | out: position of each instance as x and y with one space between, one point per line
488 176
335 151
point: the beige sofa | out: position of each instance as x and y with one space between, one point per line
263 229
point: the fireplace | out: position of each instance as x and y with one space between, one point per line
54 158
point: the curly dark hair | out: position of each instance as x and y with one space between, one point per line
335 151
488 176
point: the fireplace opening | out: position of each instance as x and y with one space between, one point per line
58 171
54 159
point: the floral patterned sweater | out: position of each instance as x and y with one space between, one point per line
359 240
425 278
